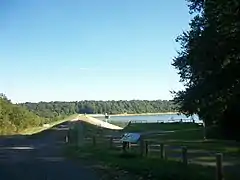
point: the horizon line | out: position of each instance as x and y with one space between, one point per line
93 100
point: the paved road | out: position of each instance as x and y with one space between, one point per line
40 157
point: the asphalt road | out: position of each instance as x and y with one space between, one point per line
40 157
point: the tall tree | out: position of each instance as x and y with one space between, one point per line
209 65
14 118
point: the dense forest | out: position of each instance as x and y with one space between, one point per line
209 65
14 118
56 109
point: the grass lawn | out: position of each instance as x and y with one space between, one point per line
146 127
186 134
201 153
116 165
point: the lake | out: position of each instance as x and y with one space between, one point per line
153 118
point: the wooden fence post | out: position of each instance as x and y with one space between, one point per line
184 155
146 148
94 140
162 151
141 147
66 139
219 168
124 146
111 142
129 145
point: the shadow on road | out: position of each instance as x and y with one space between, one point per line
39 156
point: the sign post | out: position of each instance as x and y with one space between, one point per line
204 130
129 138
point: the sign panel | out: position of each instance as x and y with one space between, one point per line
131 137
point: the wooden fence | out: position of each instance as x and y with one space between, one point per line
149 148
166 121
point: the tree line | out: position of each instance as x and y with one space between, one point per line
14 118
17 117
56 109
209 65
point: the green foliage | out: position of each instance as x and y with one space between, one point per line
56 109
14 118
208 64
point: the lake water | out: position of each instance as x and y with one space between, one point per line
154 118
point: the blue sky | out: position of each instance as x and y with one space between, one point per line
84 50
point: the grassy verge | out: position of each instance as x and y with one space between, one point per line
185 134
146 127
35 130
132 166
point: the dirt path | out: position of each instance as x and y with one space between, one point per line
40 157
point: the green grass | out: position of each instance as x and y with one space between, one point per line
185 134
144 167
92 130
146 127
34 130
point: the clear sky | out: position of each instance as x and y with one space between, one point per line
89 49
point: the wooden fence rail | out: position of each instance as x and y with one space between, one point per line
145 148
167 121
